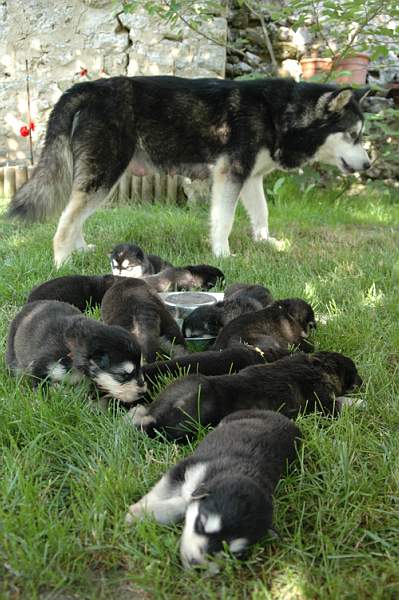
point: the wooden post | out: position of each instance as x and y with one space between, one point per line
124 187
9 182
181 196
147 193
1 181
171 190
160 187
136 188
21 176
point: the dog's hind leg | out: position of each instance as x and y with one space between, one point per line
254 200
99 160
225 192
69 236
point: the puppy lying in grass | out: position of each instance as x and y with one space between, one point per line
53 340
224 490
132 304
129 260
82 291
210 362
299 382
85 291
191 277
239 298
283 323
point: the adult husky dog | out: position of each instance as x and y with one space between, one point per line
237 131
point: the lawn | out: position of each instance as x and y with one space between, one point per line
69 471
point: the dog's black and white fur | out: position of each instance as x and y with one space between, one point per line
299 382
129 260
132 304
210 362
53 340
224 490
82 291
237 131
283 323
239 298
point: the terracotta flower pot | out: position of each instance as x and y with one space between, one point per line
357 65
314 66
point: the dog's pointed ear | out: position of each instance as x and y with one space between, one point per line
339 100
361 94
334 102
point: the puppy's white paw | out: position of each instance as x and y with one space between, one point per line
134 513
346 401
138 416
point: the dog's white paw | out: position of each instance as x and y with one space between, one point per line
221 250
277 244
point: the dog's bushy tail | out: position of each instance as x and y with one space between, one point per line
47 191
49 188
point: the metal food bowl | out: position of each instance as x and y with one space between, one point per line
181 304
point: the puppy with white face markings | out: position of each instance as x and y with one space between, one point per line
52 340
224 490
129 260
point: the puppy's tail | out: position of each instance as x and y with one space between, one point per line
49 188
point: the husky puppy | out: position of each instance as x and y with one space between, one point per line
191 277
300 382
211 362
236 131
51 339
82 291
239 298
131 304
129 260
224 490
283 323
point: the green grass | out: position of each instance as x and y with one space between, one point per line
68 472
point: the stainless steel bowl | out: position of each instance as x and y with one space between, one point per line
181 304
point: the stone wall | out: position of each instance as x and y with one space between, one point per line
76 40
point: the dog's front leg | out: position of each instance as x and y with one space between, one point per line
254 200
225 192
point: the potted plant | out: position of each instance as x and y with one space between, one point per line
349 34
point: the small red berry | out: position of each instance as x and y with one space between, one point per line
24 131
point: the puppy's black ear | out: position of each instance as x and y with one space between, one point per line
101 359
361 94
200 493
315 360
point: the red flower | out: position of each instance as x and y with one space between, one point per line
32 126
83 72
24 131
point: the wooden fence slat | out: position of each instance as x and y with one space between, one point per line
1 181
9 182
136 188
147 192
124 187
160 187
31 168
21 176
171 190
